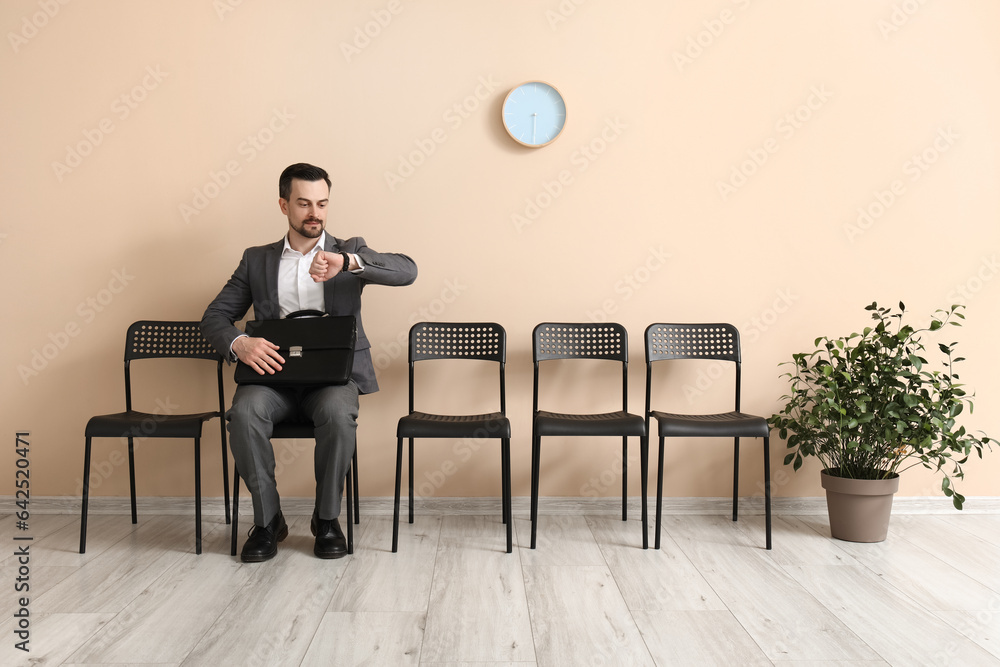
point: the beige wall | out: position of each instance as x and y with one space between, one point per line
666 101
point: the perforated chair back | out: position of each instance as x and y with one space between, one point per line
692 341
719 342
150 339
458 340
485 341
553 340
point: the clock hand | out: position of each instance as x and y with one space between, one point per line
534 119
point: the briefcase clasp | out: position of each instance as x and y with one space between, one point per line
295 351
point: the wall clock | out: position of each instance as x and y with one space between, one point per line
534 114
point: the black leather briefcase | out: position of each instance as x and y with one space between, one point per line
318 349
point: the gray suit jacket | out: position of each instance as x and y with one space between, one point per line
255 283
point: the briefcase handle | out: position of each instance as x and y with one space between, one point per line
306 313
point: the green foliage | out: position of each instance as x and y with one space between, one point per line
870 405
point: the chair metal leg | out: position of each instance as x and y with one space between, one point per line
197 495
767 490
624 478
225 469
357 499
395 506
504 481
236 506
510 508
131 476
411 480
644 470
350 510
736 475
536 448
659 494
86 497
505 484
531 511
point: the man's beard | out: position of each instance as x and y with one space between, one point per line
309 232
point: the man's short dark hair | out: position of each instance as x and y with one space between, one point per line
303 172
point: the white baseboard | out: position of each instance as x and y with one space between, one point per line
521 505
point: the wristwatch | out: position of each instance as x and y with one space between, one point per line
347 262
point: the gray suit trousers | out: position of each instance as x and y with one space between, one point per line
334 414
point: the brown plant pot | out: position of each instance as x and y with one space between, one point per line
859 508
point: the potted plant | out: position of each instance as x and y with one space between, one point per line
869 406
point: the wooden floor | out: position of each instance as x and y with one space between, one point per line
589 595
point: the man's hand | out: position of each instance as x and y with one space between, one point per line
259 354
326 265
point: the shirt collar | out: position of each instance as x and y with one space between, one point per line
320 244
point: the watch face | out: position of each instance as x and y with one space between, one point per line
534 113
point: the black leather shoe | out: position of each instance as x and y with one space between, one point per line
263 541
330 540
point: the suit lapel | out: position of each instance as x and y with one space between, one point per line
272 259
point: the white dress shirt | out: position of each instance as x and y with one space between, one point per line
296 288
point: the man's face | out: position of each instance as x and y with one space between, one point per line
306 207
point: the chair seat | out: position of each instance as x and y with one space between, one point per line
425 425
723 425
608 423
147 425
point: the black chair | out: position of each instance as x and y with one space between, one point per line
159 340
483 341
305 430
707 342
586 341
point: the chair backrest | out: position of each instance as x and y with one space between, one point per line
483 341
558 340
153 339
692 341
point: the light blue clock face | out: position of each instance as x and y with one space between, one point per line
534 113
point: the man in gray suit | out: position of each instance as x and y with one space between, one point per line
308 269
